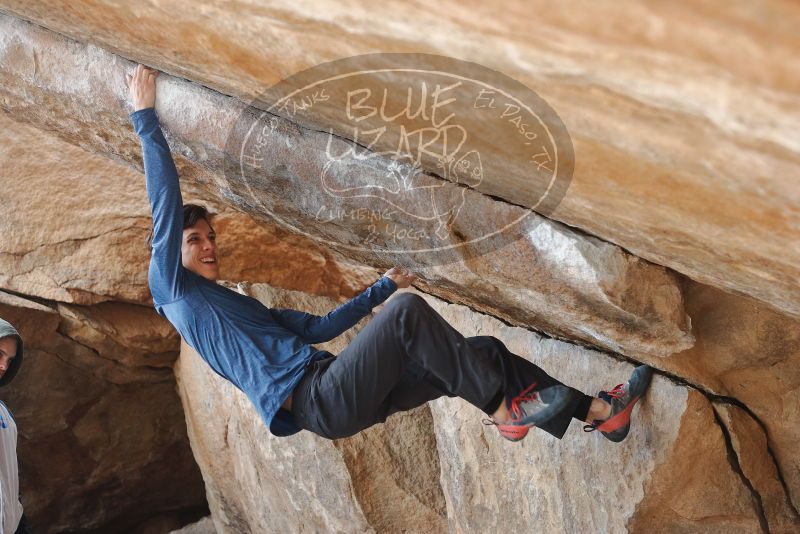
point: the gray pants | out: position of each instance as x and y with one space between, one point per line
406 356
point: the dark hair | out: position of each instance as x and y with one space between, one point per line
191 214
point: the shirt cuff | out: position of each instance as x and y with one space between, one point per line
388 282
144 119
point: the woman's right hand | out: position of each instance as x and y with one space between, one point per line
400 276
142 87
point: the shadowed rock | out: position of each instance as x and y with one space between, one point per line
750 446
750 352
102 444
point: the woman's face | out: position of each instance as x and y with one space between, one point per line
8 350
199 250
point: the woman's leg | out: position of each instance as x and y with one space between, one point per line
360 387
407 355
519 373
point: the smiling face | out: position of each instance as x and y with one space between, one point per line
199 250
8 350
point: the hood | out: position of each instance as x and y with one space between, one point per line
7 330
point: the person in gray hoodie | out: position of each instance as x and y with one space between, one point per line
12 520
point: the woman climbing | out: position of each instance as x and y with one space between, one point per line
407 354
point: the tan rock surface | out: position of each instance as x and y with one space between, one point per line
204 526
118 342
580 484
748 351
602 295
81 235
757 464
94 451
73 224
695 491
685 153
685 149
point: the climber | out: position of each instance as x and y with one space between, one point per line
12 518
405 356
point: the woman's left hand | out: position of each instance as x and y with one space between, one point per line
142 87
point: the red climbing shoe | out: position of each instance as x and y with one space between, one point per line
531 408
622 399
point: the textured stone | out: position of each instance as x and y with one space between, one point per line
686 150
99 448
697 490
685 153
757 464
204 526
552 277
117 342
81 235
581 484
747 351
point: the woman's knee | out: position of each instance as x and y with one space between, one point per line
407 300
481 342
489 348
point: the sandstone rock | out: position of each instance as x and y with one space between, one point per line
175 522
120 343
256 250
73 224
204 526
675 173
685 149
81 235
757 464
260 483
95 452
697 490
604 296
747 351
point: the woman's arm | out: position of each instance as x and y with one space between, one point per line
163 190
316 329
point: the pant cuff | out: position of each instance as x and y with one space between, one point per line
582 410
495 401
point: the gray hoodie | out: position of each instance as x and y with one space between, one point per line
7 330
10 506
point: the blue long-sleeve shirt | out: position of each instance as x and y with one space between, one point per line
262 351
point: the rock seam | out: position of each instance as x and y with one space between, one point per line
733 460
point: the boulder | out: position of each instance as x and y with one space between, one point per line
204 526
584 483
757 464
685 149
603 296
749 354
694 176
